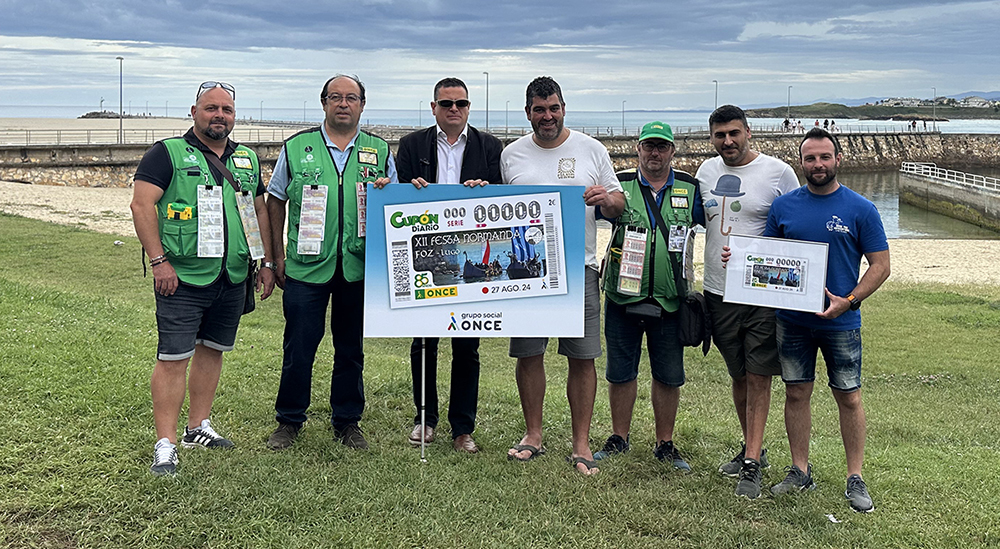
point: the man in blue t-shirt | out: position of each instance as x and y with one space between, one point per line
826 211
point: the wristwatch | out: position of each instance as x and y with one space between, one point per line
855 302
270 265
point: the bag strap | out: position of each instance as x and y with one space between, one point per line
226 174
679 283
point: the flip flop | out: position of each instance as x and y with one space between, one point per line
533 452
588 463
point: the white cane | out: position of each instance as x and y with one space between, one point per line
423 399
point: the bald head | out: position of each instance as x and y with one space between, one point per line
214 114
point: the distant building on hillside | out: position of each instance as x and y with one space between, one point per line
974 101
900 102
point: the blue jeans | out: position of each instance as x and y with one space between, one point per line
623 336
797 347
305 308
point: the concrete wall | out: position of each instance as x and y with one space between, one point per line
974 205
114 165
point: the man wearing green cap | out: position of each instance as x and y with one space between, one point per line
642 298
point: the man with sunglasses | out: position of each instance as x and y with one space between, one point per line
320 179
199 233
450 151
642 297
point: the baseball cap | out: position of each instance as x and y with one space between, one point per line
657 130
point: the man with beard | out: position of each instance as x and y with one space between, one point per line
738 187
192 222
321 179
826 211
553 154
647 304
451 151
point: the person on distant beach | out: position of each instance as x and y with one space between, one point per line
738 187
320 178
826 211
451 151
648 305
192 222
554 154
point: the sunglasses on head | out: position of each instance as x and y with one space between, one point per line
211 85
447 103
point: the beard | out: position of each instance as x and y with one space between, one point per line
821 180
548 133
217 135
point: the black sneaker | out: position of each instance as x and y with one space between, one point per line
164 459
352 437
749 484
614 445
857 494
283 436
733 467
795 481
204 436
666 451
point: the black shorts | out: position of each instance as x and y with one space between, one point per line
193 316
745 336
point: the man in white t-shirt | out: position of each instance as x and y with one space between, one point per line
738 187
555 155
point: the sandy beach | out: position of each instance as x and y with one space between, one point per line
107 211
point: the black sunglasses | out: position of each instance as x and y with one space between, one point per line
447 103
211 85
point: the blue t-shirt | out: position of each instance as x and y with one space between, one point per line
845 220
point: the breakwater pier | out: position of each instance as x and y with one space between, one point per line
112 165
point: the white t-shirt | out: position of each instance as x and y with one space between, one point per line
580 160
736 201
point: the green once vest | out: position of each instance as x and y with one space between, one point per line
657 272
310 163
179 236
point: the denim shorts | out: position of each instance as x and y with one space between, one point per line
193 316
841 350
583 348
623 336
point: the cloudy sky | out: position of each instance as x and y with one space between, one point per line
654 55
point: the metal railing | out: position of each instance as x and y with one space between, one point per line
110 136
131 137
929 169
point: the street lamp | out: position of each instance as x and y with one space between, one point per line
788 113
101 107
623 117
934 106
121 129
487 100
506 119
130 108
262 110
716 93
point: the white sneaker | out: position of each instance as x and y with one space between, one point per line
164 458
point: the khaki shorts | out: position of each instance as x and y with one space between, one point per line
586 347
745 336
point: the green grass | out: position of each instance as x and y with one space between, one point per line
77 338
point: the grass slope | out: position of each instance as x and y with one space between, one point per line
77 337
